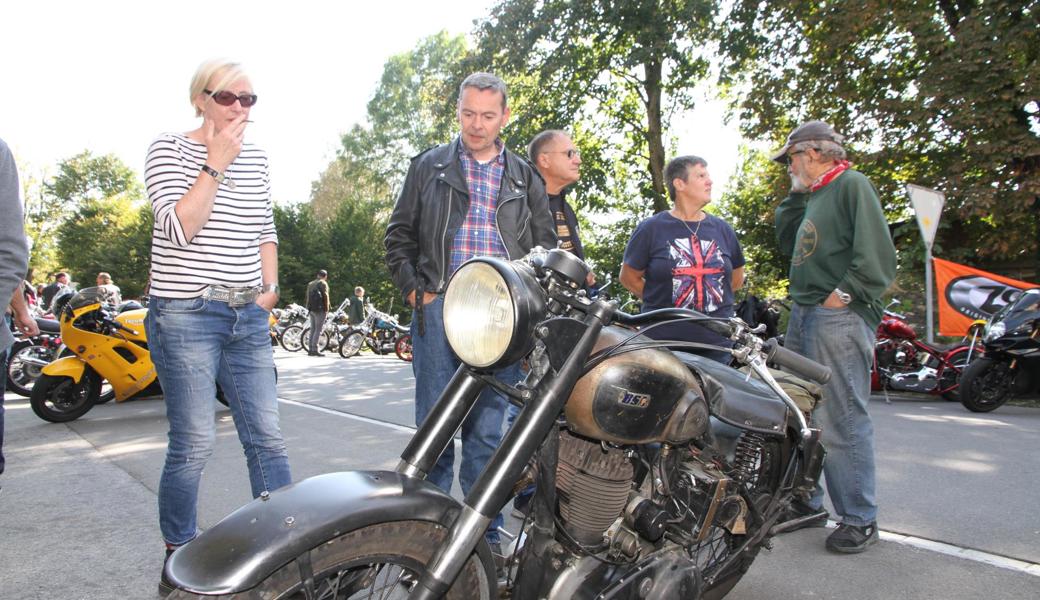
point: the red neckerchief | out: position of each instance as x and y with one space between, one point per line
829 176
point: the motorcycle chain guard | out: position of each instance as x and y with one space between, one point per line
248 545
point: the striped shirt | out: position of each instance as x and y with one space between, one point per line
226 251
478 235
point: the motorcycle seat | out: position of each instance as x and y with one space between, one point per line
48 325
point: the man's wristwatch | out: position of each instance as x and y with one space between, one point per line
269 288
845 297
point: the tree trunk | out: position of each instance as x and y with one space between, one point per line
655 145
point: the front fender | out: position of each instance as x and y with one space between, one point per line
70 366
254 541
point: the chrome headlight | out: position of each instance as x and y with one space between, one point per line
995 331
490 309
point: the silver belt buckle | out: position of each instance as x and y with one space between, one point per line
233 296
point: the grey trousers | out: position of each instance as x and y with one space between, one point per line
317 323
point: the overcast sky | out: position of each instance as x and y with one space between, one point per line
109 76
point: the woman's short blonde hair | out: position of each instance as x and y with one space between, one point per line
228 70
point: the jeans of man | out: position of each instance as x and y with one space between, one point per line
317 322
434 364
196 344
842 340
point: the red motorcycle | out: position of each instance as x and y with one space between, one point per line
904 363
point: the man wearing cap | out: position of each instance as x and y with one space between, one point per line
318 306
842 259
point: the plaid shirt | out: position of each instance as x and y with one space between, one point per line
478 235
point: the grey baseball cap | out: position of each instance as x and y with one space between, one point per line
808 131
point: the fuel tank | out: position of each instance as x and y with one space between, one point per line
133 320
637 397
897 329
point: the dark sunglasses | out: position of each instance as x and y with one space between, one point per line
226 98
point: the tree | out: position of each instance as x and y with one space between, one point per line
612 66
942 93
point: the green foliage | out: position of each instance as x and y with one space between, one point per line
109 234
86 177
942 94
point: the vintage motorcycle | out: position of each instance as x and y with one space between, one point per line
292 314
106 346
379 331
904 362
295 336
1010 364
633 497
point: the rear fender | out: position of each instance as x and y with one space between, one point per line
248 545
70 366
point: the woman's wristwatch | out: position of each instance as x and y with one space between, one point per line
269 288
220 177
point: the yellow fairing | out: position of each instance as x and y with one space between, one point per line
70 366
126 365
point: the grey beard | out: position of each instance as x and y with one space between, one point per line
797 186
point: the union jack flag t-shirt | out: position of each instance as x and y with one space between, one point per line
686 265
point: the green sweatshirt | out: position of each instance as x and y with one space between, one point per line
837 237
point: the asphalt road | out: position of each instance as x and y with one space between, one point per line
78 503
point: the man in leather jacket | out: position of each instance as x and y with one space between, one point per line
470 197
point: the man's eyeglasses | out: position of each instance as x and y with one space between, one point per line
570 153
226 98
790 155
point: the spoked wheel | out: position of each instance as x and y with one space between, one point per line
60 399
380 561
292 338
323 339
986 385
351 344
403 347
24 366
759 466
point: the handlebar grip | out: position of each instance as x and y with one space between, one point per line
800 365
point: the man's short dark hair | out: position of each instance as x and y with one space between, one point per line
323 273
677 168
484 81
540 141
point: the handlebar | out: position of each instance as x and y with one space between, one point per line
800 365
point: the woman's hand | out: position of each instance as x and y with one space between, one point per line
267 300
223 146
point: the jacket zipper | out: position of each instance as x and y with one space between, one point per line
444 239
498 227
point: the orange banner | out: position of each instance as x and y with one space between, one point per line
966 294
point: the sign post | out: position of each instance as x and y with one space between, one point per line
928 205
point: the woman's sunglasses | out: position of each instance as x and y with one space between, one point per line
226 98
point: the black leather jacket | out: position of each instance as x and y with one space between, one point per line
433 204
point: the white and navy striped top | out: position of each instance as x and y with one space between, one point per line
226 251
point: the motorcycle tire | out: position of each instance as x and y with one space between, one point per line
950 378
403 347
986 385
59 399
292 338
20 374
351 344
323 339
386 559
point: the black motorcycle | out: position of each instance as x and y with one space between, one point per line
633 498
379 331
1010 364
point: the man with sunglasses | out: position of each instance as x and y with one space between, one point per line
558 161
842 259
470 197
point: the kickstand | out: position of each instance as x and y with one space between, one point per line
887 399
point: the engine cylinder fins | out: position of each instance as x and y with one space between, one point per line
593 485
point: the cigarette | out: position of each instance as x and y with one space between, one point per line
248 121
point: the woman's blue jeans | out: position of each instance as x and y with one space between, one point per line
195 345
434 364
842 340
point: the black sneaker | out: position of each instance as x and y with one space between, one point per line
806 516
852 539
165 586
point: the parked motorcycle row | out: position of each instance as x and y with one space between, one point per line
380 332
